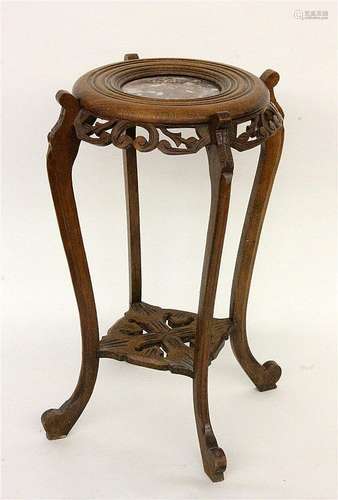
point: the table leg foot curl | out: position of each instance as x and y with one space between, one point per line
213 457
62 151
221 170
263 376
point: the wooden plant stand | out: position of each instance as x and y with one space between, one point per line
225 107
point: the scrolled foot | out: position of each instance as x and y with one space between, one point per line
264 376
213 457
215 463
57 423
269 375
62 151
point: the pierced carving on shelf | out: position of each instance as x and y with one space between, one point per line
95 131
159 338
261 127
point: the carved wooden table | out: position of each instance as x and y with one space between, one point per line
226 108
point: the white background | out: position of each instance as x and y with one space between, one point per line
137 438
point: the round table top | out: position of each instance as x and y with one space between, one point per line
170 91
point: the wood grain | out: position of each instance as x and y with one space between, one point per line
100 91
266 375
62 151
263 376
158 338
168 339
221 170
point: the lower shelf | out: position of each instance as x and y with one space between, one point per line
159 338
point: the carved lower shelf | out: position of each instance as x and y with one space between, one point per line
159 338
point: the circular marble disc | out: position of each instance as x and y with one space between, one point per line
171 87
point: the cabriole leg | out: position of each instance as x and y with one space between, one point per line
221 168
63 148
263 376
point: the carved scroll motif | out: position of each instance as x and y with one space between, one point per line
91 129
260 128
96 131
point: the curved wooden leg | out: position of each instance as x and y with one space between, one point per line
221 168
63 148
263 376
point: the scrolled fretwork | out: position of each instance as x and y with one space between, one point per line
260 127
91 129
192 144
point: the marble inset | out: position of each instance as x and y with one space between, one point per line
171 87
